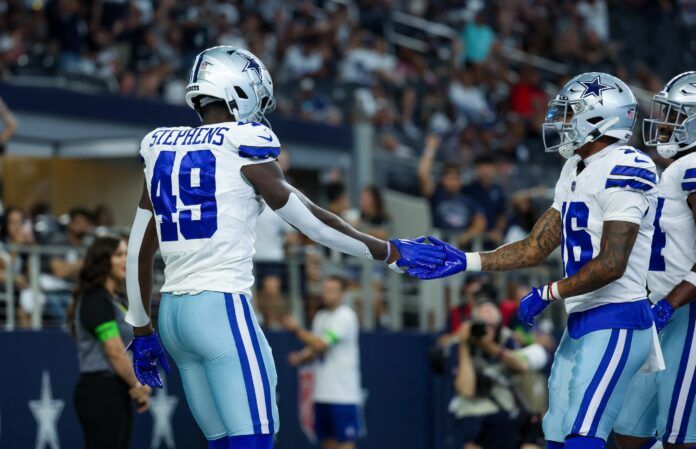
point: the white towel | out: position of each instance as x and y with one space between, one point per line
655 361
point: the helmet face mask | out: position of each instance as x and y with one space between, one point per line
589 106
235 76
666 128
672 123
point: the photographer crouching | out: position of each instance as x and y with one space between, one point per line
490 410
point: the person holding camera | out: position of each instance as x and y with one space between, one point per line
486 399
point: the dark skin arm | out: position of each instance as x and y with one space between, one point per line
270 183
618 238
684 292
530 251
146 262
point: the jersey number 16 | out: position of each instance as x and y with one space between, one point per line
196 188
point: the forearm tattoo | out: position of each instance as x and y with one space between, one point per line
617 242
531 251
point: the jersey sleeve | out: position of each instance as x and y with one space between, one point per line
629 189
688 183
98 316
340 327
145 145
254 142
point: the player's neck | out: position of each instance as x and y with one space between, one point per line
595 147
216 115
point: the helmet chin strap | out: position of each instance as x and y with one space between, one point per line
570 148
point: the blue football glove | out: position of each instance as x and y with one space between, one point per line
662 313
455 261
418 253
531 305
147 351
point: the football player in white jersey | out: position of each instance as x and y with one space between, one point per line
204 189
602 217
660 406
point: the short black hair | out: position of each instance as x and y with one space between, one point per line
80 211
334 190
340 279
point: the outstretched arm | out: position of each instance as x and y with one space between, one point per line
142 247
327 228
530 251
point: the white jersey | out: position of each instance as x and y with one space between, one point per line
338 369
674 241
205 210
617 184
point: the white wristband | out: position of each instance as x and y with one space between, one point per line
473 261
550 292
690 278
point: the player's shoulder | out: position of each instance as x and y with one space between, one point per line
569 166
630 169
683 171
253 139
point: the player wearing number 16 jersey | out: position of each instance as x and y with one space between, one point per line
602 217
661 404
204 189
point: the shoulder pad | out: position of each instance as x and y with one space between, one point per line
254 140
632 170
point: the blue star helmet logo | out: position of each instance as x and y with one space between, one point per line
594 88
251 65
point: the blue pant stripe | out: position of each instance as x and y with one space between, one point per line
612 384
680 374
244 361
692 390
603 364
262 365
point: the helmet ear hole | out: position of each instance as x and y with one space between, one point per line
240 92
594 120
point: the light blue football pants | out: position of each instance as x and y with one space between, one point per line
589 379
663 403
225 362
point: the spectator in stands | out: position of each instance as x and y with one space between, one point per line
373 216
13 231
65 268
107 387
485 401
337 392
452 211
490 197
103 216
339 203
477 39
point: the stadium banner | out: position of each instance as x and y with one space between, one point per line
40 372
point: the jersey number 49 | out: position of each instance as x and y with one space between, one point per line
196 190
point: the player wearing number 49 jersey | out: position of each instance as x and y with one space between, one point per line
602 217
204 189
661 405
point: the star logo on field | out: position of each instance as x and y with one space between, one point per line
594 88
162 408
46 411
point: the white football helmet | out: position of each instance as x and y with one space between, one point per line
235 76
672 123
589 106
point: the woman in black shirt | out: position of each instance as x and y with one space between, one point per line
107 386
